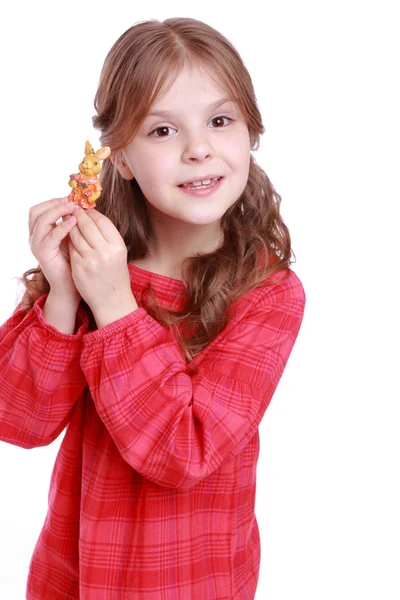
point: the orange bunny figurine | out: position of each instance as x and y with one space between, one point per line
86 188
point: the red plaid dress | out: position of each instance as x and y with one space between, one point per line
152 493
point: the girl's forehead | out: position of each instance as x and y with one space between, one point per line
204 76
171 91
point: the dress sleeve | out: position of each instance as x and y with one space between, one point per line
40 376
175 426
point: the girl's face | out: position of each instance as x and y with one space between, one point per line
193 140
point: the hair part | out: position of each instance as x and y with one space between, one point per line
142 63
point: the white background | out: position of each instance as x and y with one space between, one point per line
326 76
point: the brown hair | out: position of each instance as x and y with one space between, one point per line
141 63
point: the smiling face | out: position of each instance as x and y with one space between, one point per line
90 166
196 138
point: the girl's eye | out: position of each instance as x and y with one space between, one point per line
166 128
160 129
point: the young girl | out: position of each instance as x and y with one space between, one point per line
155 330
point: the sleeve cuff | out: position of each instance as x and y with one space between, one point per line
120 324
82 322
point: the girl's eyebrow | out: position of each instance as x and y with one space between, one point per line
168 113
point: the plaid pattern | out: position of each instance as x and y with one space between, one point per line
152 493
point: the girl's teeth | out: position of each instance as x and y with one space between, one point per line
205 182
201 184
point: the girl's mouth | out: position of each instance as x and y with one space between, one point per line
202 190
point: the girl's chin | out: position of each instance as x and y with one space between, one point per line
192 211
200 217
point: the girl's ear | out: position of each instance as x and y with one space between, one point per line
118 161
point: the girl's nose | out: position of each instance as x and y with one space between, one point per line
198 149
198 143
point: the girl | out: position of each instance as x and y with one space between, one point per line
156 329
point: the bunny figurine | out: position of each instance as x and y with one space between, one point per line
86 188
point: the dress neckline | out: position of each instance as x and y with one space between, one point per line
143 275
168 289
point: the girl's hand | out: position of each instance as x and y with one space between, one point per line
49 245
98 256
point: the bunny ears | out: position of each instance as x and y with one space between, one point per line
101 154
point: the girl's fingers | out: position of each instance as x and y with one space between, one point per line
38 209
54 205
62 229
78 240
89 230
42 222
69 218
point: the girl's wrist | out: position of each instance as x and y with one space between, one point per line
60 312
65 299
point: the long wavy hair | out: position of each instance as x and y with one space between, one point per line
144 61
